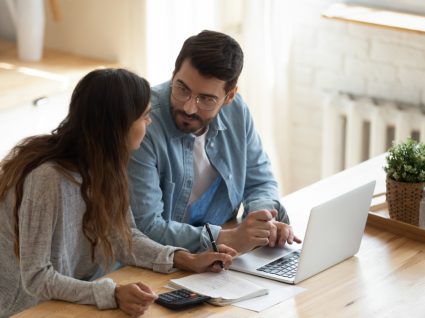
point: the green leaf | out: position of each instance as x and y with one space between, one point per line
406 161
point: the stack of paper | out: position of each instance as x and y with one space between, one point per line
224 288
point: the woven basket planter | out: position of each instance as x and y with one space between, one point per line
403 200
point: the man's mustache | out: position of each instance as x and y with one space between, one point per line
192 116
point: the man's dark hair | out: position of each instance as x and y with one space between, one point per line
213 54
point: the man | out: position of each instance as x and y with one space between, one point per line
201 157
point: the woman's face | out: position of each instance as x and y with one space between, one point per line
138 129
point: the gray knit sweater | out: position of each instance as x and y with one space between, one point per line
55 256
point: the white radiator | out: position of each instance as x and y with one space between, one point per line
358 128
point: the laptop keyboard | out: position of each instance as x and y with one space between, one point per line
285 266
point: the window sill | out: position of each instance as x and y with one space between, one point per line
376 17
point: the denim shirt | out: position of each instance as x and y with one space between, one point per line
161 174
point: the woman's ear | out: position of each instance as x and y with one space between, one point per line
230 95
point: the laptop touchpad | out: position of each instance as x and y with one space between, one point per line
260 256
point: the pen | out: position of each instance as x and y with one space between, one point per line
213 242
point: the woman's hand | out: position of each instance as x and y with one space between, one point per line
205 261
134 299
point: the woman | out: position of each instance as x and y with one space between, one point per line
65 205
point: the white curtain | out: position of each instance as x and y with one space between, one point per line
267 36
263 29
168 24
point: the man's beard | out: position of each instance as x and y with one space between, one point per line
179 117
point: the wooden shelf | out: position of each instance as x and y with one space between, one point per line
24 81
376 17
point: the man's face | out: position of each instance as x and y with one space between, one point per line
204 98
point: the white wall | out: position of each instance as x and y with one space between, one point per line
415 6
108 29
330 56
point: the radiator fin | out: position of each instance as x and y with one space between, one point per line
358 128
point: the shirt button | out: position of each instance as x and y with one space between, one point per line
212 144
230 177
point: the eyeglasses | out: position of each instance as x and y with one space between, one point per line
204 102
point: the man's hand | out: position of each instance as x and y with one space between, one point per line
252 232
259 228
206 261
282 233
134 299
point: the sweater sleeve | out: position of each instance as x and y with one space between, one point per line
38 214
146 252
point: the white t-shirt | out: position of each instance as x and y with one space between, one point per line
203 173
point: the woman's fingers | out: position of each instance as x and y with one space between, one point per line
135 298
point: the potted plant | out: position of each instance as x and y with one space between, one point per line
405 168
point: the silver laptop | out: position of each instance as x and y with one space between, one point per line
334 232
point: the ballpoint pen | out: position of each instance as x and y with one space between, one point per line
214 245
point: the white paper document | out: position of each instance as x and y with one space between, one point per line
224 288
239 289
278 292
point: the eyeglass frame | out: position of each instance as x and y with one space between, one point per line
197 98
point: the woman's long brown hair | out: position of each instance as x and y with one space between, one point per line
92 141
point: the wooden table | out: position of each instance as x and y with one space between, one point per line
385 279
